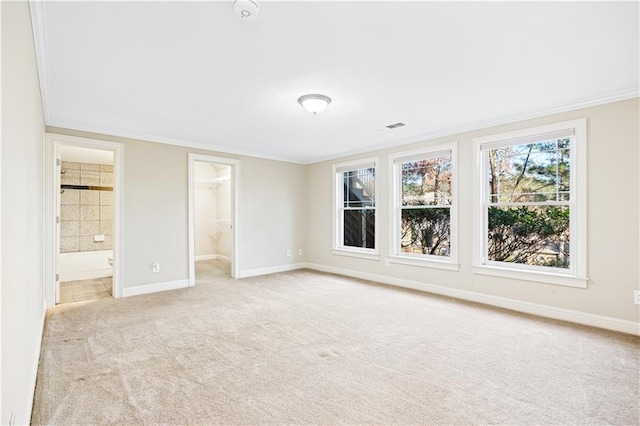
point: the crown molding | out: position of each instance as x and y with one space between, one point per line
485 124
61 125
555 109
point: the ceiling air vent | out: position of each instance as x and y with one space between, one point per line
395 125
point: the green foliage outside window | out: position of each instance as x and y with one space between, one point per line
529 235
425 226
528 212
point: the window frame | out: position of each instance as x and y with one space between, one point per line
338 246
576 274
395 166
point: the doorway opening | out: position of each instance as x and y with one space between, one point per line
212 218
84 202
85 257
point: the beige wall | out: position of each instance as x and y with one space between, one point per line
272 210
206 211
613 232
273 207
22 231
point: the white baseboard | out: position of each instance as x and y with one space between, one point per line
213 257
585 318
86 275
206 257
35 365
271 270
154 288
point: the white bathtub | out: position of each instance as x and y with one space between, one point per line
85 265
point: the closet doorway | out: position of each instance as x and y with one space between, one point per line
213 188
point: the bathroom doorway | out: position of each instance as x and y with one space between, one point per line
85 259
212 218
85 209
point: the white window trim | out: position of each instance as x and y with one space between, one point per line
427 261
576 276
337 247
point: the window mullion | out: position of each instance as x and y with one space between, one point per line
531 203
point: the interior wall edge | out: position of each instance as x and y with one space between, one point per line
35 363
23 195
1 138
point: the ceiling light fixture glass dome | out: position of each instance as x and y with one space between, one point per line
314 103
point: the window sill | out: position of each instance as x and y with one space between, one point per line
369 255
424 263
535 276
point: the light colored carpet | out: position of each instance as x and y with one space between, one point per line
310 348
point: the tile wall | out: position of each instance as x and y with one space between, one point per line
86 213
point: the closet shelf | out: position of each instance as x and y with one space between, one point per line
214 182
223 225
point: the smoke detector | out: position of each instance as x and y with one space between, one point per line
246 10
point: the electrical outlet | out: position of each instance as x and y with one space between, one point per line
288 253
299 252
636 297
386 262
155 267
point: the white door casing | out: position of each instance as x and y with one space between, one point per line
52 209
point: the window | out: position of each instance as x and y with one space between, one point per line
424 207
355 220
532 204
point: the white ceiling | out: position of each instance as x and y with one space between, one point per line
194 74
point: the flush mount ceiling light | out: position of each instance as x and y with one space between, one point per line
314 103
